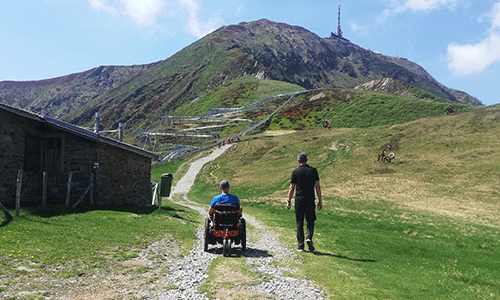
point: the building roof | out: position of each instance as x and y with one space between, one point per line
79 131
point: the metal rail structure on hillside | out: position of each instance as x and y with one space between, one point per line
179 153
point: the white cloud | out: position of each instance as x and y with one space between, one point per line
195 26
423 5
495 17
143 12
101 5
241 9
475 58
400 6
147 12
359 29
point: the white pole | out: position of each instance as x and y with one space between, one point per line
96 127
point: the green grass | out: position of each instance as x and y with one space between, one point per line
424 227
87 237
236 93
356 109
177 168
378 251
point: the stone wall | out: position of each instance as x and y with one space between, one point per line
13 129
122 178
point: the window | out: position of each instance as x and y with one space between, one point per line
32 153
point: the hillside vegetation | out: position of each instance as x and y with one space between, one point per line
198 75
354 109
423 227
306 109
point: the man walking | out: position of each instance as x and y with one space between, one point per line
304 182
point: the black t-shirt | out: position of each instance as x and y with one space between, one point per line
304 178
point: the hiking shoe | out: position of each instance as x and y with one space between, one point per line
310 245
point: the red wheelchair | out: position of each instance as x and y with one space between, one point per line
225 226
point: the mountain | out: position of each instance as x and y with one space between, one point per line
262 50
58 96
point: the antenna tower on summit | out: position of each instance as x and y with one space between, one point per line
339 30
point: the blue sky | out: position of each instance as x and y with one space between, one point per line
456 41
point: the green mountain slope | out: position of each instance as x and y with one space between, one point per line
423 227
139 95
341 108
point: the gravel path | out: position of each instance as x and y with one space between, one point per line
263 251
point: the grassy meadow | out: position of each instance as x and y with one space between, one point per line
426 226
65 243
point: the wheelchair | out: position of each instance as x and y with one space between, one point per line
225 226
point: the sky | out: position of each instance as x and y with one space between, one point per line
456 41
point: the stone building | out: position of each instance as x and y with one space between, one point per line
120 172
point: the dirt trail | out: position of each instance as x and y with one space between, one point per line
264 253
186 182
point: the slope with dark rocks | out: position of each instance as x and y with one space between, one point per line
56 97
139 95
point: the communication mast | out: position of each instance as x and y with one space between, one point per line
339 30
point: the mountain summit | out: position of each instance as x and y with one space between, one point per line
296 55
263 49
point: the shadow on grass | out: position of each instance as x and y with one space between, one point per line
6 221
60 210
343 257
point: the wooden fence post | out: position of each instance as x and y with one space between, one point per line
92 189
44 191
18 190
68 193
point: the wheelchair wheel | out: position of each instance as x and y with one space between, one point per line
207 233
226 247
243 235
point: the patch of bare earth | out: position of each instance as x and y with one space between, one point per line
229 284
278 132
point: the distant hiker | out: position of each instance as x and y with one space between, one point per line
304 182
224 198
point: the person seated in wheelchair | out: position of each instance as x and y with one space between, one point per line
224 199
225 223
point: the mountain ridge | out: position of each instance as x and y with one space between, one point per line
263 49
